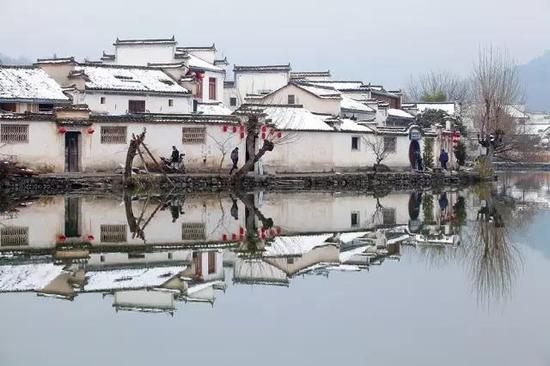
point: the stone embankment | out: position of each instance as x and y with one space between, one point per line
50 184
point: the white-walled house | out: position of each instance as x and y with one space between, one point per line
117 90
321 143
29 89
323 100
257 80
72 140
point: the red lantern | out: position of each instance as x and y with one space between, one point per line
264 128
224 237
234 237
90 238
241 230
234 129
242 128
263 135
90 131
242 135
224 128
279 134
61 238
61 130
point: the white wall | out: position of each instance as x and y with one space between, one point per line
117 104
309 101
143 54
256 82
220 77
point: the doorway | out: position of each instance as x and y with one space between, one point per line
72 151
414 149
72 217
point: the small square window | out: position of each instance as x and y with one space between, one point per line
233 102
355 143
291 99
102 100
170 102
354 219
390 144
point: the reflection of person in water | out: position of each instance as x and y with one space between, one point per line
234 209
176 208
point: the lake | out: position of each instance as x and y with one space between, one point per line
448 276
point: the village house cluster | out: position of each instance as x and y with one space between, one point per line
62 115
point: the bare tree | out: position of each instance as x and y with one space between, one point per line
377 145
224 147
437 86
496 87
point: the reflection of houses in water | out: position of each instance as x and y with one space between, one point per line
63 247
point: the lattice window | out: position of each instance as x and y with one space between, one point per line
193 231
14 134
14 236
193 135
113 233
390 143
113 134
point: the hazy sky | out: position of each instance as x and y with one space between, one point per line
377 41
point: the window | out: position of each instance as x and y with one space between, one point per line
113 233
113 134
388 215
14 236
355 143
193 231
354 219
211 262
390 143
14 134
136 106
170 102
212 88
233 102
290 260
291 99
193 135
102 258
102 100
8 107
45 107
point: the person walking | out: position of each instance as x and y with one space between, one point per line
443 159
234 159
175 158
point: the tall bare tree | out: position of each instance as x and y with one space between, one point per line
496 87
437 86
378 146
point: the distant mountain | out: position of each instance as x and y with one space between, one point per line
536 78
6 60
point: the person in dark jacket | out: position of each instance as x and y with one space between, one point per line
418 157
234 159
175 158
443 159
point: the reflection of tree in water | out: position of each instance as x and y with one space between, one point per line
493 259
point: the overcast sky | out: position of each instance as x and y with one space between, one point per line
376 41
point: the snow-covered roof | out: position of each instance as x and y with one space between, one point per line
256 271
127 78
129 278
339 85
29 84
295 118
295 245
321 92
216 108
28 277
198 63
350 125
353 105
399 113
516 111
309 74
448 107
132 42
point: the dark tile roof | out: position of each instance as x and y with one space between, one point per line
306 74
197 48
167 118
57 60
119 42
261 68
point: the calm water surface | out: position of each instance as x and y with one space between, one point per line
450 277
